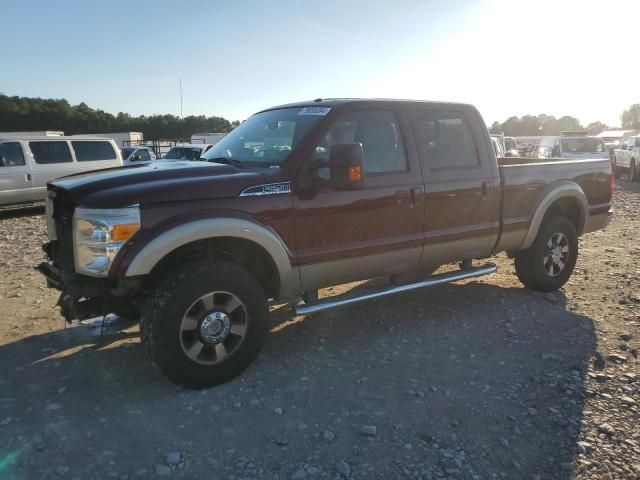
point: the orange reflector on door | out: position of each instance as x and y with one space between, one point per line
355 175
124 231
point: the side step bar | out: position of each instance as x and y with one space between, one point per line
332 302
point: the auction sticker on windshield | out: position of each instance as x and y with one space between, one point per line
321 111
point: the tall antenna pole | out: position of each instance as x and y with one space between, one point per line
181 117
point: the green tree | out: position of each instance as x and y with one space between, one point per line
595 128
631 118
25 114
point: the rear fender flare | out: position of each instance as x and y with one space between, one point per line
548 197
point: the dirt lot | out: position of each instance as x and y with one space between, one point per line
478 380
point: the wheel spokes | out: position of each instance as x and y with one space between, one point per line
193 352
231 304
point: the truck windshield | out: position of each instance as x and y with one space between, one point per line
510 143
582 145
265 138
183 153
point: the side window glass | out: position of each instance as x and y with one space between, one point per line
11 155
379 134
47 152
144 155
447 140
89 151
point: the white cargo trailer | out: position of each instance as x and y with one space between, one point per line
210 138
122 139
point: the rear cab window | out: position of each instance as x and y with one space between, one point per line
90 151
50 152
11 155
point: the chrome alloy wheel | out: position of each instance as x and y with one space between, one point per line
556 255
213 327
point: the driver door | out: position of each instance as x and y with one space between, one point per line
16 183
348 235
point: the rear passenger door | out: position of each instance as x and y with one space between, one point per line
462 194
15 175
51 159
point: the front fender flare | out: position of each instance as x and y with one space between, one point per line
192 231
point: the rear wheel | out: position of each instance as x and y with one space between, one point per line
633 171
614 167
548 263
205 324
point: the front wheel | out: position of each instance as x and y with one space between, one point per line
205 324
548 263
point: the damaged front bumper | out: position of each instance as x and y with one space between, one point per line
83 297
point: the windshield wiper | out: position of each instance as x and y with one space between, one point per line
226 161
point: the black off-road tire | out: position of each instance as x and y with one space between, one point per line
617 173
634 175
530 263
160 322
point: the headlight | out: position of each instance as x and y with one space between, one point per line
98 236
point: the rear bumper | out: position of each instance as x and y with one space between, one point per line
598 221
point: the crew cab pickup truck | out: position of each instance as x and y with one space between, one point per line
301 197
627 159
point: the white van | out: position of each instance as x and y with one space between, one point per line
28 163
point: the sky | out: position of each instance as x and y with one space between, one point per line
507 57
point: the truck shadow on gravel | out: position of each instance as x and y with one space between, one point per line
459 380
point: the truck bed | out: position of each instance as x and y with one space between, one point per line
526 182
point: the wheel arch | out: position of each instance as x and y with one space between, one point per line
564 198
254 246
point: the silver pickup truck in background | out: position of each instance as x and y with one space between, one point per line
625 159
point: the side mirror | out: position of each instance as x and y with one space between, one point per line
3 161
346 162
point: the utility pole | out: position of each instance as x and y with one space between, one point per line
181 116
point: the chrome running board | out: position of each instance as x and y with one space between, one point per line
333 302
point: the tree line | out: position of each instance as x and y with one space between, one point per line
35 114
530 125
19 114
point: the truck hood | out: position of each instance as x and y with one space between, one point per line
154 183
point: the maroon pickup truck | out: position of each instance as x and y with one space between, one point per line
301 197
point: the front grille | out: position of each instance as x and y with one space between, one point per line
59 227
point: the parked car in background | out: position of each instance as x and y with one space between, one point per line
196 249
573 146
27 164
137 155
510 147
187 151
497 146
627 159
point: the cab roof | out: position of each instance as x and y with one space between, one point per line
362 102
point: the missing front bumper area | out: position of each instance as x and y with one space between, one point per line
84 297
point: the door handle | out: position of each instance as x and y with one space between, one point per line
415 195
27 177
402 196
485 189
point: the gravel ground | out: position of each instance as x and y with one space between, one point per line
482 379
